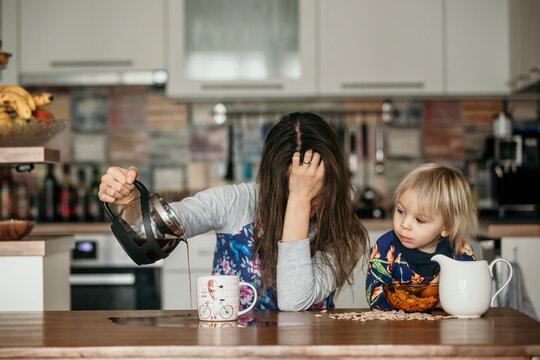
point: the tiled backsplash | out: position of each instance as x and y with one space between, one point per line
179 148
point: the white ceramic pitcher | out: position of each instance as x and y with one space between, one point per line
465 286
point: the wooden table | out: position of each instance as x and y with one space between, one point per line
502 332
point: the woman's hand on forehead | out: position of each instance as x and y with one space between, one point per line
306 175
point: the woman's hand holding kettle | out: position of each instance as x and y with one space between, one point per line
117 185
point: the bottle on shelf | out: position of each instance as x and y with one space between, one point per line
49 196
22 207
6 194
95 210
81 205
68 196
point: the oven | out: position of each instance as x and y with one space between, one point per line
103 277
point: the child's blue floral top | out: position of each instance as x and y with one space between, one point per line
390 262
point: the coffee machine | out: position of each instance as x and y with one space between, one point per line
512 166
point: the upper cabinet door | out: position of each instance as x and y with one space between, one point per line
67 35
524 43
241 48
380 47
477 47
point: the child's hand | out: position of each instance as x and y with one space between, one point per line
436 281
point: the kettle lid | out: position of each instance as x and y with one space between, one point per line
167 215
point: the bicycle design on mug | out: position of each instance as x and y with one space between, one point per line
225 311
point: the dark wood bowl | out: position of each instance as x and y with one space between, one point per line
15 229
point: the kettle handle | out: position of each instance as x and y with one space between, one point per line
145 210
510 273
108 210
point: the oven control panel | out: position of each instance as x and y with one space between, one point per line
102 250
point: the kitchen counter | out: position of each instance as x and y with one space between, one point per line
491 229
502 332
36 245
105 227
496 229
72 228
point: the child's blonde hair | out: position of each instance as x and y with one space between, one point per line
445 190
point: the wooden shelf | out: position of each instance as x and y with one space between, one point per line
66 228
28 155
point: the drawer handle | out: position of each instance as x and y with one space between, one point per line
535 69
383 85
90 63
102 279
242 86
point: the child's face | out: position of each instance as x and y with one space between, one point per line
415 229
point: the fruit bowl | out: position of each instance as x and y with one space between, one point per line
412 297
15 229
31 132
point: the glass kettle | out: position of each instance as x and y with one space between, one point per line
147 228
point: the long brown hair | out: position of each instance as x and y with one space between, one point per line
339 232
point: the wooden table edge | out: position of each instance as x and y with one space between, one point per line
274 351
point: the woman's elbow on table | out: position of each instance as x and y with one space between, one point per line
292 306
286 302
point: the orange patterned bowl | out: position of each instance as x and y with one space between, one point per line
412 297
15 229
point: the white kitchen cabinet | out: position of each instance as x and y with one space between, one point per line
524 252
524 43
380 47
175 275
95 35
34 273
476 38
9 36
241 48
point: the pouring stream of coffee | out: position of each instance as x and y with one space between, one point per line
189 275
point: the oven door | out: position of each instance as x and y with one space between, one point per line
115 288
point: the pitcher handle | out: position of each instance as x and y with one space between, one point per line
507 280
243 283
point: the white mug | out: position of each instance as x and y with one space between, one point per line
218 297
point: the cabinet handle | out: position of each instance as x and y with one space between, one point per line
91 63
242 86
384 85
523 77
102 279
535 69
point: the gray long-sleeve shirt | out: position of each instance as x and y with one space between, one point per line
301 280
